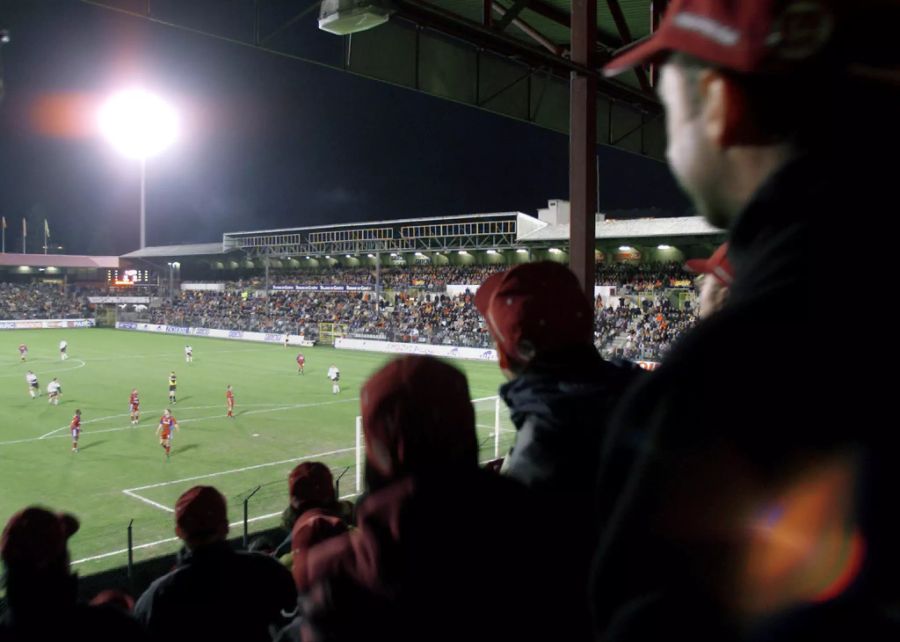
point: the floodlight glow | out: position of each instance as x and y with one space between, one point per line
491 251
371 256
393 254
555 250
624 248
462 252
521 251
138 124
327 257
663 247
347 255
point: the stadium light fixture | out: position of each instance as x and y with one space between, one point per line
491 251
139 125
371 256
393 254
521 251
327 257
663 247
555 250
624 248
463 253
347 255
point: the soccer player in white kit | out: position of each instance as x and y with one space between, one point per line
63 346
335 375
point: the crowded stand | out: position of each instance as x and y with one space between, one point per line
40 301
412 307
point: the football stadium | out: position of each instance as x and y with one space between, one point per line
441 320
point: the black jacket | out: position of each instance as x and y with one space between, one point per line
216 593
761 390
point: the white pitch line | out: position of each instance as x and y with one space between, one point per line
173 539
241 413
148 501
241 470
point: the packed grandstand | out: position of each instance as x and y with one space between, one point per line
653 306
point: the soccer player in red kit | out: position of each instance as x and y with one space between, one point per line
134 403
23 351
300 361
229 401
167 427
75 427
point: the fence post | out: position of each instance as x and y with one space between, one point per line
497 427
130 554
359 465
337 482
246 505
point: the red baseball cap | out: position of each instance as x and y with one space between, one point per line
311 481
200 512
535 308
36 538
417 416
717 265
748 37
311 528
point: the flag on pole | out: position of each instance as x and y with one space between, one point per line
4 222
24 227
46 229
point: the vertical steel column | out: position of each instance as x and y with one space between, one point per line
583 144
657 7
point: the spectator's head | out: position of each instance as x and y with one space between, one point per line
34 549
716 278
311 485
310 529
749 85
417 418
534 310
201 517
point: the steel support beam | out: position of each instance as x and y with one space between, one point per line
529 31
511 14
582 145
432 17
657 8
562 18
622 25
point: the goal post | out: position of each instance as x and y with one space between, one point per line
493 428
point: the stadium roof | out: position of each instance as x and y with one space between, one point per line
511 57
446 233
58 260
612 229
176 251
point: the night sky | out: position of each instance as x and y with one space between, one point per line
268 141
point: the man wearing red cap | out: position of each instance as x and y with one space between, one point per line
215 593
559 393
41 589
421 564
310 487
716 276
758 96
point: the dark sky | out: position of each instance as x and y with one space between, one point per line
268 141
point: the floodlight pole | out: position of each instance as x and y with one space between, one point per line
143 202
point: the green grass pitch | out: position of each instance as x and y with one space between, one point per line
281 417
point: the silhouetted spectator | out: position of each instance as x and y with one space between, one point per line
215 592
41 590
420 563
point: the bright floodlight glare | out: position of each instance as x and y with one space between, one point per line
139 124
